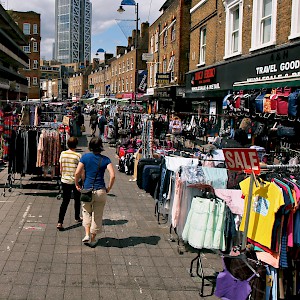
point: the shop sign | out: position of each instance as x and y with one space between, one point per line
142 83
241 159
147 56
205 80
163 78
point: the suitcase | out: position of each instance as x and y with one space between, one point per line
146 175
140 167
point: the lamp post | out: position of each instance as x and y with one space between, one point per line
100 50
121 10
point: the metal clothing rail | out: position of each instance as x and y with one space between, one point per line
11 178
197 259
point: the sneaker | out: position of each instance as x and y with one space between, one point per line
86 239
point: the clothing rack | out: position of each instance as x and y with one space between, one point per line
11 178
197 259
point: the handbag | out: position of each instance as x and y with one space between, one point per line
82 128
86 194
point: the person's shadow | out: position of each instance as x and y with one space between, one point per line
126 242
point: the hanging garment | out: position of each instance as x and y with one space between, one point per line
230 288
265 202
205 224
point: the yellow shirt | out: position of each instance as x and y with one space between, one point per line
69 161
265 202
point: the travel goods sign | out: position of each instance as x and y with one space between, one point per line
242 159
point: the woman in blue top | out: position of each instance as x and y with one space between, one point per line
87 170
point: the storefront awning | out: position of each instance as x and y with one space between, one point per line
288 81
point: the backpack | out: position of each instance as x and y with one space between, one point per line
282 101
259 103
293 107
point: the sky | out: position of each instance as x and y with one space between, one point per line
106 33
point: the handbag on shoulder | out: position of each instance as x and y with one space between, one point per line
87 194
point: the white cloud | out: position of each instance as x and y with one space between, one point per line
104 15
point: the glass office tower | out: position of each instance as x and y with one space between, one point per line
73 31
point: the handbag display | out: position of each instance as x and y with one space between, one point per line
86 194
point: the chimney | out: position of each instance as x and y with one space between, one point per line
129 41
144 29
134 36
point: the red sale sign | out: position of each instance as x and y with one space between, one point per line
242 159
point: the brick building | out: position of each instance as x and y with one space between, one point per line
127 70
78 83
13 86
29 22
242 45
169 42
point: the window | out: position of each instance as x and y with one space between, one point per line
127 84
29 66
34 81
123 66
131 83
35 29
152 44
165 39
120 68
171 67
132 64
233 38
156 41
26 28
295 23
155 72
28 79
112 71
173 32
202 46
128 65
35 64
263 24
35 47
26 49
123 85
151 75
165 65
116 71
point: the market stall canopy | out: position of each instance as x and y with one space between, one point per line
267 83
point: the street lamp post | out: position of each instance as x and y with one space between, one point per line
121 10
100 50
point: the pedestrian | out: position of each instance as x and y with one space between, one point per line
101 124
69 160
91 169
93 122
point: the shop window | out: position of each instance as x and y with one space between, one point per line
202 46
26 28
263 24
233 42
295 20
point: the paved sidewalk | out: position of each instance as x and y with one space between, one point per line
134 258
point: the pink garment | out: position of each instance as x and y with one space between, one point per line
290 230
177 200
233 199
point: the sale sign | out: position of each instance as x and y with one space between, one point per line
242 159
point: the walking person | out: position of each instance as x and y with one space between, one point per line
69 160
93 121
101 124
91 169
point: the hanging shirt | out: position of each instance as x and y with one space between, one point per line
265 202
